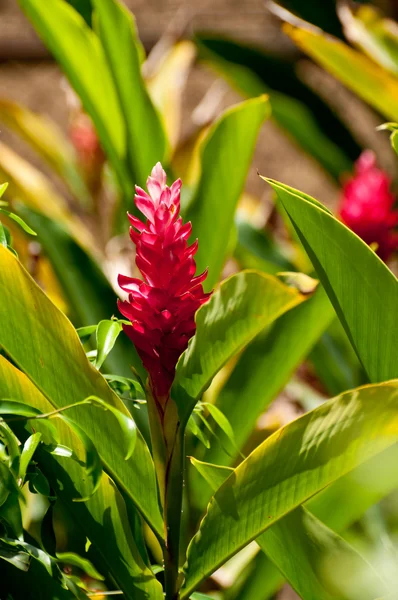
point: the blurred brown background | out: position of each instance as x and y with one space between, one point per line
29 76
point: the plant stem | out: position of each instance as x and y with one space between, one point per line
172 515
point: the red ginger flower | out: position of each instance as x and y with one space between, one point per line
162 307
367 206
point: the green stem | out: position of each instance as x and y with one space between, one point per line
172 516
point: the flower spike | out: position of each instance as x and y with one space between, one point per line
367 206
161 308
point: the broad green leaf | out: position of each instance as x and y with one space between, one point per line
225 159
107 334
360 74
49 142
93 465
296 331
28 450
363 291
372 33
146 140
316 561
41 341
78 51
242 306
288 468
18 558
291 114
104 515
357 491
215 475
166 86
91 299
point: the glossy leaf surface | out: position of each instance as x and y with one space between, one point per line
146 140
288 468
104 513
242 306
222 181
355 70
363 291
41 340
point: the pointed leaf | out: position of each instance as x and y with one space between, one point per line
29 448
360 74
80 54
104 515
146 140
242 306
107 334
326 443
363 291
41 340
223 175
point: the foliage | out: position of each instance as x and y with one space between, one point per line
97 495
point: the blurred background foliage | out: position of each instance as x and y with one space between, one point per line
73 156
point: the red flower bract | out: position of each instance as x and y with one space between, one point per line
162 307
367 206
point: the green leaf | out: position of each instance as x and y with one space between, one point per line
104 515
290 113
126 423
357 491
71 558
222 422
326 443
3 188
80 54
316 562
18 558
242 306
85 333
374 35
363 291
91 299
93 464
49 142
297 330
226 154
146 140
18 220
107 334
42 341
215 475
3 237
360 74
28 450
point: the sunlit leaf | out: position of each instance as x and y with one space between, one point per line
107 334
79 53
288 468
363 291
223 175
146 140
47 343
371 32
242 306
48 141
360 74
